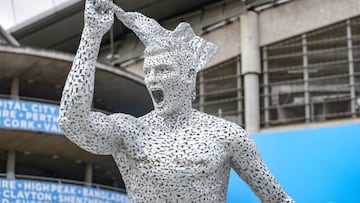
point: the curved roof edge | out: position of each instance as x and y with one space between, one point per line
8 37
68 58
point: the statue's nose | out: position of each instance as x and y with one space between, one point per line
152 78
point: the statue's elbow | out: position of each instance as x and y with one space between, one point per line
64 123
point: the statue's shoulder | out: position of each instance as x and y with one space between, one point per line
213 122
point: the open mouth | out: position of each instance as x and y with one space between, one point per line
158 95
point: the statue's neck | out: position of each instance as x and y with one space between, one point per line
179 119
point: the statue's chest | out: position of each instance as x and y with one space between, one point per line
184 151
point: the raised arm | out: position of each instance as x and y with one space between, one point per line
92 131
247 163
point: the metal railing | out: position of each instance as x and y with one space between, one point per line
313 76
220 91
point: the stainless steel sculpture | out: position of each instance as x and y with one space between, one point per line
174 153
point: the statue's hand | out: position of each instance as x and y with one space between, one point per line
118 11
99 16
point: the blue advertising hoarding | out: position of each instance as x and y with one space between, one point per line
26 191
33 116
315 165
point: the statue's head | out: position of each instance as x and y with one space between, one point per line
170 75
172 60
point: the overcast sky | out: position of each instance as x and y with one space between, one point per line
13 12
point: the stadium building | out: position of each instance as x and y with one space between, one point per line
288 71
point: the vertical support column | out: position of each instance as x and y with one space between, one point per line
351 69
250 59
266 88
201 91
10 164
306 78
88 174
239 92
15 86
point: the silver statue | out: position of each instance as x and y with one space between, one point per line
174 153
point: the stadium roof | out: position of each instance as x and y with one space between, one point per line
60 28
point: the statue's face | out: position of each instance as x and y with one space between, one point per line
169 84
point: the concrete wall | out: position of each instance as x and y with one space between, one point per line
302 16
228 41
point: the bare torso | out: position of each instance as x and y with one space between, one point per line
188 164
